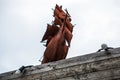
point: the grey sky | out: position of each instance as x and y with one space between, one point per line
23 23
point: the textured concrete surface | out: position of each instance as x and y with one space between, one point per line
94 66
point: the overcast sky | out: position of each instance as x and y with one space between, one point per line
23 23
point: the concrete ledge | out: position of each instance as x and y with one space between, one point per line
94 66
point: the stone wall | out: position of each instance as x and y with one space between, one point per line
94 66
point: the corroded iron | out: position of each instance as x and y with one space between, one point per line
58 36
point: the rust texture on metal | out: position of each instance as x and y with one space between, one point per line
58 36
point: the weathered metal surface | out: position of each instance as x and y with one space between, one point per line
57 35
